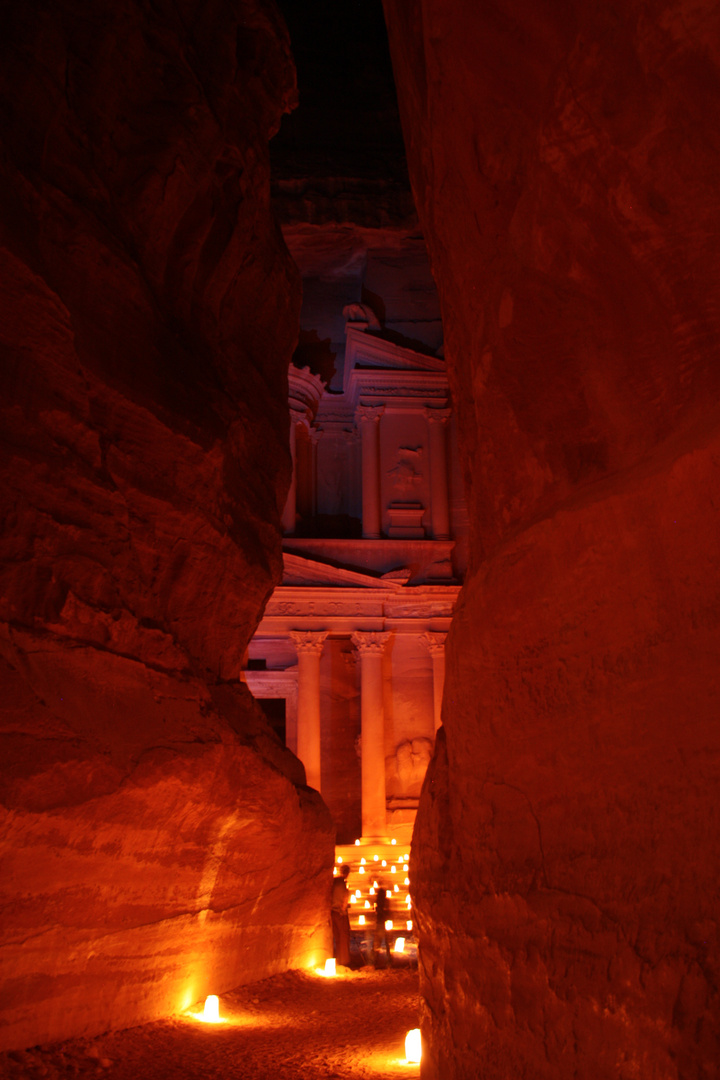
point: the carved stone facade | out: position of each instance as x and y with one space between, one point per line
374 552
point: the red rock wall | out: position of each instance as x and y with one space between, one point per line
564 158
157 842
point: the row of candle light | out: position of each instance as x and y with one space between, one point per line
356 896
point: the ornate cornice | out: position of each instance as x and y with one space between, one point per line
437 416
308 641
368 413
370 642
434 641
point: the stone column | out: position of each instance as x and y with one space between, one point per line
289 513
309 645
370 646
368 419
437 422
435 644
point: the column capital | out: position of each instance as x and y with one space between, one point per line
308 641
371 642
434 641
368 413
438 416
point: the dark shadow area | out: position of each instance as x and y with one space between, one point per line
315 353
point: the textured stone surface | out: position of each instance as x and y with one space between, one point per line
564 160
157 841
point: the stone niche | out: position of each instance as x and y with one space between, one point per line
564 162
158 841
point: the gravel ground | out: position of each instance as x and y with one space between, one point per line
296 1026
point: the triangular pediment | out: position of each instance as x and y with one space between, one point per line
365 350
301 571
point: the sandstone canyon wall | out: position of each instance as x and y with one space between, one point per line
564 157
158 843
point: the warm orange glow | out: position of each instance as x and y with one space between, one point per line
210 1013
330 967
413 1047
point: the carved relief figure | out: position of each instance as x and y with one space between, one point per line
406 474
406 770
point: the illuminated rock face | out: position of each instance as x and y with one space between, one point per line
565 168
158 843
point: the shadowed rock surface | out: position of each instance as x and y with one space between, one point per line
157 840
564 159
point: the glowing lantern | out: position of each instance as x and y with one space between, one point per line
375 885
399 945
361 920
413 1047
339 858
393 841
388 924
371 892
396 888
361 870
375 858
409 924
211 1012
400 859
406 881
357 843
407 899
383 863
353 899
362 861
358 893
392 869
367 903
330 967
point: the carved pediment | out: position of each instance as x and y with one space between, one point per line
301 571
368 350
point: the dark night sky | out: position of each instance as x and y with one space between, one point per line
347 121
